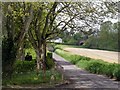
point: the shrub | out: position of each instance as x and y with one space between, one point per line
108 70
49 54
116 72
82 64
49 62
24 66
93 67
101 68
74 59
8 56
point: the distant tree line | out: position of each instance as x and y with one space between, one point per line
107 38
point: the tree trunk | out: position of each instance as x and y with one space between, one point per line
44 53
44 57
21 52
38 61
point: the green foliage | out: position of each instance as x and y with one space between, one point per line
92 65
72 58
50 63
59 46
116 72
24 66
106 38
31 78
13 23
51 46
8 56
108 70
49 60
31 51
71 38
95 67
62 46
82 64
103 68
49 54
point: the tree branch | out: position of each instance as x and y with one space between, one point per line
25 27
31 39
47 18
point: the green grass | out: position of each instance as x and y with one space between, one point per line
82 64
31 78
92 65
61 46
25 72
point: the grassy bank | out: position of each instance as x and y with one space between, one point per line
59 46
24 73
92 65
31 78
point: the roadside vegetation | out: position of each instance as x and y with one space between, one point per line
25 72
92 65
31 78
29 26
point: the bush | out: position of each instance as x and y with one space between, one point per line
116 73
49 54
82 64
108 70
8 57
74 59
24 66
49 62
93 67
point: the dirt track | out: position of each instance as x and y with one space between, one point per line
108 56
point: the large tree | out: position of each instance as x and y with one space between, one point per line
52 18
15 21
43 21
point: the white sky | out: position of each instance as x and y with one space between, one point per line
112 20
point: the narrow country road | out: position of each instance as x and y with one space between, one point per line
108 56
82 79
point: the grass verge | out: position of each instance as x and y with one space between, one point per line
31 78
25 73
92 65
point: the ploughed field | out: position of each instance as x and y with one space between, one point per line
108 56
